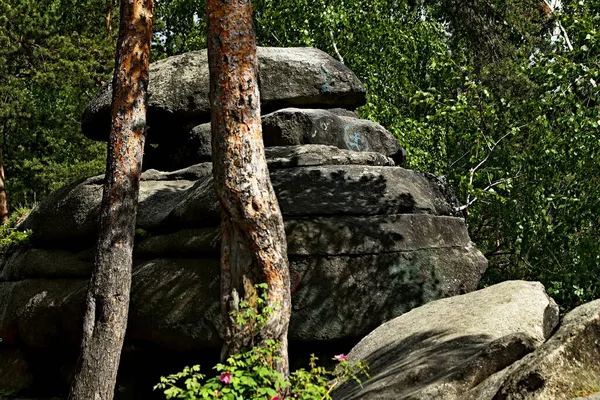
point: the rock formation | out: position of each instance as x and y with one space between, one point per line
367 240
446 347
501 342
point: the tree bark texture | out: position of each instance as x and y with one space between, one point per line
254 248
3 198
107 300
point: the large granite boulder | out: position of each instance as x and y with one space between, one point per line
562 368
446 347
179 86
357 228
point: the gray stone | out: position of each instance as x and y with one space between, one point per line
175 301
358 190
342 112
336 235
331 190
415 238
287 127
317 154
69 216
442 349
44 263
347 296
43 313
196 148
293 126
179 86
189 173
182 243
566 365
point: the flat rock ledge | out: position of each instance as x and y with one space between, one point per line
309 180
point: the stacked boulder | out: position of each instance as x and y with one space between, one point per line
309 97
367 240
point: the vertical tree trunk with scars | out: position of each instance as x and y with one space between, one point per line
254 248
107 300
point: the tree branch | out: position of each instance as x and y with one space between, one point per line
335 48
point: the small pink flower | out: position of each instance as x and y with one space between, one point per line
276 398
217 393
341 357
226 377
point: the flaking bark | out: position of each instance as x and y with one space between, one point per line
254 248
107 299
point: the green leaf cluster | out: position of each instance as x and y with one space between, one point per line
251 374
10 234
54 54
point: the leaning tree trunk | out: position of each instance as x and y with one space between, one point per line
254 248
3 198
107 300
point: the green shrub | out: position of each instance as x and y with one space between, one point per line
250 375
10 236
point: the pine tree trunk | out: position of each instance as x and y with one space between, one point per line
3 198
107 300
254 248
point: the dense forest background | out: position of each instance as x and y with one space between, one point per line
499 96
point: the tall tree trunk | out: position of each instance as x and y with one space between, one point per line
254 248
107 300
3 198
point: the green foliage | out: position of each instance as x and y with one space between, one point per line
54 54
251 374
10 236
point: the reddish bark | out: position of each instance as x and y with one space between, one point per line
254 248
107 300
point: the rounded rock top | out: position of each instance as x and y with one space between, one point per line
179 89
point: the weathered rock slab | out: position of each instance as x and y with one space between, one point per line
332 190
34 262
446 347
195 147
293 126
565 365
186 198
175 301
179 87
319 154
287 127
336 235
